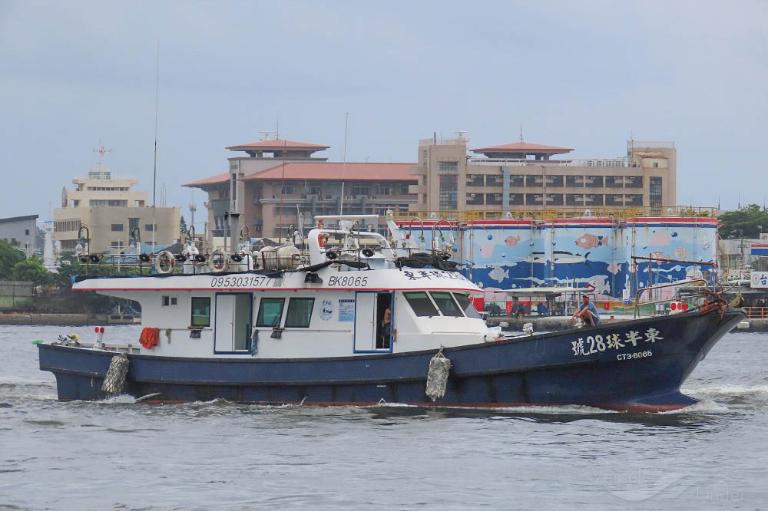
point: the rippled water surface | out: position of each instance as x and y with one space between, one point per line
216 455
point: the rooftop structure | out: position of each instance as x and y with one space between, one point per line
522 151
113 214
280 184
278 148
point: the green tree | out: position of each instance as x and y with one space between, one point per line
32 270
9 256
747 222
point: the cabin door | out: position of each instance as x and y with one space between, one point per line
370 332
233 322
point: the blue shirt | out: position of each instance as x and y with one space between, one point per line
592 309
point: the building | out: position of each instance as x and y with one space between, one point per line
22 232
111 215
278 181
521 176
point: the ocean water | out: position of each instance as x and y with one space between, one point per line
123 455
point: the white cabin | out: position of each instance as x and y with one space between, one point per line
332 302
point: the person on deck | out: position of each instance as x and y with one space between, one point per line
385 330
587 312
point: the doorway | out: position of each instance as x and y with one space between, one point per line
373 322
233 323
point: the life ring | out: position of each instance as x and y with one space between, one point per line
150 337
218 262
164 262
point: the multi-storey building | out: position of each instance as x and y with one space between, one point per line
111 215
278 182
525 177
22 232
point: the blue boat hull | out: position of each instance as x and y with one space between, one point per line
642 372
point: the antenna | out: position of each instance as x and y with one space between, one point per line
344 162
154 159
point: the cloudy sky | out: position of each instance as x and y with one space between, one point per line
581 74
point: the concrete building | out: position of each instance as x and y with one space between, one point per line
22 232
523 177
112 214
277 180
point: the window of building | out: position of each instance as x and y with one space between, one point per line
494 199
633 181
533 199
593 181
614 181
633 199
361 189
448 192
299 312
168 301
494 180
150 227
554 181
574 199
534 181
516 180
475 180
475 199
446 304
574 181
108 203
133 224
420 303
201 311
516 199
614 199
448 166
26 232
270 312
117 227
593 199
553 199
116 245
655 192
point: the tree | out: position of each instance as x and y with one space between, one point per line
183 226
31 270
747 222
9 256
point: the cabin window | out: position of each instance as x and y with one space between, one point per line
170 300
270 312
466 305
201 311
446 304
421 304
299 312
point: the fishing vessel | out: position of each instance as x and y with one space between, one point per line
348 318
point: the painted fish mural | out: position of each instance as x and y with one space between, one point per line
587 241
521 254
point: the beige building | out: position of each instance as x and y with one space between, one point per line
112 215
277 181
521 177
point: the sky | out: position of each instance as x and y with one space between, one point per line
587 75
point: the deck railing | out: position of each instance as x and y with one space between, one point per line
539 213
756 312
